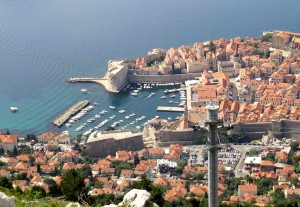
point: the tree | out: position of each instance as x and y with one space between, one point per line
264 185
253 152
294 145
38 168
86 171
266 37
270 156
180 166
119 166
36 192
136 160
7 132
4 182
277 195
30 137
54 189
295 182
72 185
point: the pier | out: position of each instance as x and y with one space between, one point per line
170 109
174 90
102 81
65 116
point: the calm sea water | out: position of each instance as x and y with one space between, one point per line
42 43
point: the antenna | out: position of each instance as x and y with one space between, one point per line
213 124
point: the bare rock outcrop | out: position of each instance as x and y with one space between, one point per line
6 201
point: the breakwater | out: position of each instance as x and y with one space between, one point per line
65 116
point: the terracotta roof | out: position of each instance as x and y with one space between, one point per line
266 163
8 138
246 188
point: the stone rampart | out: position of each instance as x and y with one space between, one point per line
105 147
188 136
276 129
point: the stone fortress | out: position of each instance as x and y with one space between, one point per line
102 144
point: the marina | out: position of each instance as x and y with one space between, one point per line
61 119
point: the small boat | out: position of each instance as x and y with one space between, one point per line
163 97
127 117
134 94
171 101
173 96
96 103
157 117
84 90
138 127
112 107
122 111
135 91
14 109
68 125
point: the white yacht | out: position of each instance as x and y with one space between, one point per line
14 109
84 90
122 111
112 107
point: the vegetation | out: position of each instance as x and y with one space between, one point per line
270 156
294 145
119 166
266 37
72 185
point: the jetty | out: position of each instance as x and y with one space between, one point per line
174 90
171 109
65 116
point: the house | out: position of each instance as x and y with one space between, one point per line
153 153
289 193
8 142
47 136
52 145
47 169
5 173
175 194
21 166
23 158
161 181
108 171
70 156
141 169
126 173
68 166
247 189
36 179
267 166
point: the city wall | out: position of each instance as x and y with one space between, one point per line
105 147
275 129
185 137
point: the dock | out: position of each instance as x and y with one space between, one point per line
170 109
174 90
65 116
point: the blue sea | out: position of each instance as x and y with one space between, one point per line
42 43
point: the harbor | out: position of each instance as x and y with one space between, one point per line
65 116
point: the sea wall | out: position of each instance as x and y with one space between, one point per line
133 78
105 147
